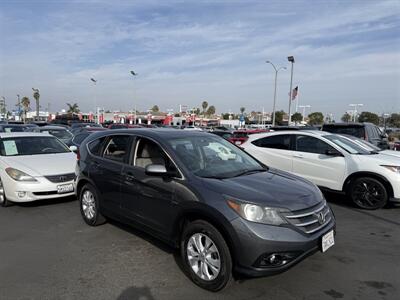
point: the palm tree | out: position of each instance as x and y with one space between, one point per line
36 95
204 105
26 103
242 109
73 109
211 110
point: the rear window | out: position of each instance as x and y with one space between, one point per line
356 131
275 142
13 128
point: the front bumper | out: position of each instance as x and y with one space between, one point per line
42 189
258 241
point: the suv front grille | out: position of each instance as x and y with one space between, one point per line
311 220
61 178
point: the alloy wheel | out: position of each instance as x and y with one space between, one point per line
88 205
203 256
368 194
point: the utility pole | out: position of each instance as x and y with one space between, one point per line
291 60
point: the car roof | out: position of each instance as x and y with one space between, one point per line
347 124
20 134
282 132
52 127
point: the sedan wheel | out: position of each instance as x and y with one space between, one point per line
89 206
3 200
368 193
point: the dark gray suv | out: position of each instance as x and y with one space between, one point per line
222 208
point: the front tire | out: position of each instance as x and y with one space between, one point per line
206 256
3 200
89 206
368 193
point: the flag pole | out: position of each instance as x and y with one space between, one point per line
297 100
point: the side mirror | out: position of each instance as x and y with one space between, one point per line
156 170
73 148
333 153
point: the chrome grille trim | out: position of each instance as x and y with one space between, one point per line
307 214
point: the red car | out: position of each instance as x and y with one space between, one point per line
240 136
396 146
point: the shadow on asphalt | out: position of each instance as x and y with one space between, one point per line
136 293
343 201
47 202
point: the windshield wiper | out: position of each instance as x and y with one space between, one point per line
214 177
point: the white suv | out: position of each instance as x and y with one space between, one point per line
331 161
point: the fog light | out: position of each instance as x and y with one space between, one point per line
21 194
276 259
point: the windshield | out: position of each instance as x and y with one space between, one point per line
32 145
213 157
347 144
364 143
61 134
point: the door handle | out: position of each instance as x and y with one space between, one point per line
298 155
129 177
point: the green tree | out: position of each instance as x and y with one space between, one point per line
346 117
73 108
211 110
367 116
225 116
155 108
316 118
242 109
279 117
26 106
204 105
394 120
297 117
36 95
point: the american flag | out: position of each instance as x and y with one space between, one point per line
294 92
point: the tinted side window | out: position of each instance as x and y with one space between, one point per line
311 145
354 131
95 146
276 142
116 148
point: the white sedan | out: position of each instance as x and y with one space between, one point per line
34 166
370 178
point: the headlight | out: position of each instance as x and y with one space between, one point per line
395 169
256 213
19 175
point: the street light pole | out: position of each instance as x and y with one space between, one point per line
291 60
134 74
95 97
355 110
276 79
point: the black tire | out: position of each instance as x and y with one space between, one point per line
368 193
3 199
225 271
96 218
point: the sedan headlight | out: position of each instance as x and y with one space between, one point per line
255 213
19 175
395 169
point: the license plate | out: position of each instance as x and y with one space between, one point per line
328 240
65 188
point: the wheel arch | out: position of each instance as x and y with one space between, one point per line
376 176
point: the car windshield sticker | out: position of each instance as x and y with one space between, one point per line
8 129
10 147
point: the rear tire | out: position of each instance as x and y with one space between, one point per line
3 200
89 206
368 193
206 256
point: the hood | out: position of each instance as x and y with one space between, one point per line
44 164
386 157
390 153
273 188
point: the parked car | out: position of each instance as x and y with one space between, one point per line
122 126
79 126
12 127
366 131
34 166
222 133
280 128
59 132
240 136
370 178
83 133
224 212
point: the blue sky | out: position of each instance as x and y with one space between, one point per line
189 51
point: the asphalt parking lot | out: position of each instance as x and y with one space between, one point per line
47 252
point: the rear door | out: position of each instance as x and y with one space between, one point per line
274 151
311 162
106 169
